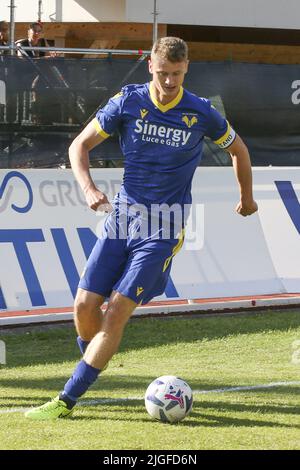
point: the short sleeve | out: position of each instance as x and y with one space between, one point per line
219 129
108 118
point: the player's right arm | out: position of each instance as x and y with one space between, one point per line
79 158
100 128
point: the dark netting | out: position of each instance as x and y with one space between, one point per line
44 103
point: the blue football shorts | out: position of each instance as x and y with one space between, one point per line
121 260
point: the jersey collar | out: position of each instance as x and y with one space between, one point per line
165 107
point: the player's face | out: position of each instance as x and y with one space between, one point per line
167 77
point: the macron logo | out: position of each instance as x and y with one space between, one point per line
161 134
139 290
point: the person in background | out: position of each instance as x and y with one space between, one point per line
34 39
4 30
4 33
40 92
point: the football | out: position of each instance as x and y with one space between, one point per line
168 399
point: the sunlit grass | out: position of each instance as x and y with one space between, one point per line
209 353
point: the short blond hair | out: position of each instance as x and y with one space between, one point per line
170 48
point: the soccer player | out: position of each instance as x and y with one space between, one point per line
161 128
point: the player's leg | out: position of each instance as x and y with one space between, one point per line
106 343
88 316
100 350
104 266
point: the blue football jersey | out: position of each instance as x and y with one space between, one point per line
162 144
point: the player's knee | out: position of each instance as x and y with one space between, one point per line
86 303
120 306
115 318
82 307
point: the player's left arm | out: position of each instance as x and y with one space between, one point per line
242 168
220 131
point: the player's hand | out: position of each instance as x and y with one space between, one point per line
245 208
97 200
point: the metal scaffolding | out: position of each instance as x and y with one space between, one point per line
12 27
12 46
69 50
155 24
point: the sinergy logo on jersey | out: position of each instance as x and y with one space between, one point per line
161 134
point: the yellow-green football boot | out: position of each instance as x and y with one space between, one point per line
53 409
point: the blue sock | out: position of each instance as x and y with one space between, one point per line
83 377
82 344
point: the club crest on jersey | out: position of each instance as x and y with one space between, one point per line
189 121
144 112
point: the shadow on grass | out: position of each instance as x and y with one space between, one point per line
59 345
128 383
205 412
198 418
136 413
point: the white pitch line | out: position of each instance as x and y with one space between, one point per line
250 387
13 410
104 401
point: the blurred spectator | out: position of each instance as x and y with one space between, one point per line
4 36
34 39
40 93
3 70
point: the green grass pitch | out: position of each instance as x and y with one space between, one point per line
212 353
